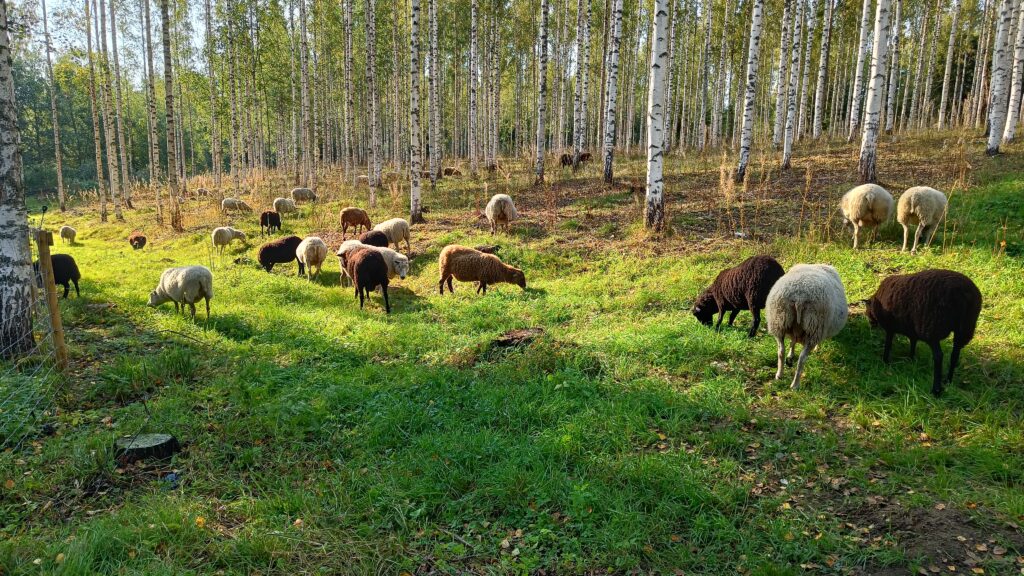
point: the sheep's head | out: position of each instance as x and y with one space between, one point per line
869 309
240 235
704 309
402 267
154 299
517 277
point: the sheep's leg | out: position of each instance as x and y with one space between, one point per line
718 325
937 362
192 310
800 366
954 359
732 317
67 289
757 321
440 285
856 235
933 229
407 247
917 237
888 346
207 308
792 352
387 303
77 293
782 351
913 347
360 292
450 289
906 234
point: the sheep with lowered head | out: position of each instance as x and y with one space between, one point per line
744 287
223 236
398 264
468 265
303 195
374 238
923 206
285 206
234 205
270 221
311 252
357 218
866 206
396 229
808 304
184 285
137 240
65 272
368 270
500 211
280 251
67 234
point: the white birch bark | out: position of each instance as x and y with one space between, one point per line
805 66
123 150
435 108
215 156
924 109
784 57
415 209
894 70
873 105
109 130
579 97
610 102
794 80
819 91
705 80
350 114
858 78
94 107
914 99
542 92
1013 114
373 97
654 215
954 17
172 145
999 83
474 56
52 86
719 103
753 52
304 89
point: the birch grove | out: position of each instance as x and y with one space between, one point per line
654 213
873 104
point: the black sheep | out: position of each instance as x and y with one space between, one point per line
137 240
280 251
270 220
565 160
368 270
744 287
65 271
928 306
374 238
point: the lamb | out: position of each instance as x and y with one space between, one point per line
137 240
452 171
270 221
65 272
184 285
925 207
67 234
374 238
808 304
311 252
355 217
396 229
398 264
468 265
223 236
500 211
285 206
280 251
744 287
865 206
928 306
303 195
234 205
368 270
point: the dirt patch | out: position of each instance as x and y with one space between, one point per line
520 337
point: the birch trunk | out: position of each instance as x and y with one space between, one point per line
894 70
473 63
719 104
612 59
53 109
415 210
819 91
954 15
172 145
753 52
94 107
579 96
914 99
307 129
109 131
495 94
1013 115
371 87
350 117
654 215
924 108
705 79
784 56
794 80
542 91
125 166
873 105
435 108
998 98
858 78
806 69
216 162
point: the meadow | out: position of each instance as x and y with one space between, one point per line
319 438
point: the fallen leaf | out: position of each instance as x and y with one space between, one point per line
59 559
9 484
978 570
200 522
505 543
999 550
675 538
789 537
940 506
981 547
297 523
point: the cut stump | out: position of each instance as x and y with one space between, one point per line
145 446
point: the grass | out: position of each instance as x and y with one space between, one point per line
321 439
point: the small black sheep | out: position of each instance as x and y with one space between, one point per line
280 251
928 306
374 238
270 220
65 271
368 270
137 240
744 287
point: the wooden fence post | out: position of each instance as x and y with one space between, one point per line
44 240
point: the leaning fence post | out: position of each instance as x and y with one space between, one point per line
44 240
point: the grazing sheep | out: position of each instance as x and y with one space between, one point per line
280 251
355 217
468 265
67 234
565 160
500 211
585 157
202 192
137 240
184 285
487 249
368 270
744 287
65 272
303 195
925 207
374 238
285 206
928 306
808 304
452 172
398 264
311 252
223 236
396 229
270 221
234 205
866 206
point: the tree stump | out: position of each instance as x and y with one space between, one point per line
144 446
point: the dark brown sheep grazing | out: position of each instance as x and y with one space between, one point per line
280 251
487 249
452 171
270 221
374 238
928 306
585 157
367 269
137 240
65 271
744 287
565 160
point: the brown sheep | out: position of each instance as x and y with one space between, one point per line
744 287
357 218
375 238
468 265
137 240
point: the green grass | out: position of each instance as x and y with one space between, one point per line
321 439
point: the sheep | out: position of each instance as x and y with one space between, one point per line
137 240
398 264
374 238
368 270
925 207
500 211
486 249
808 304
355 217
303 195
865 206
285 206
184 285
565 160
234 205
270 220
585 157
928 306
452 172
311 252
280 251
396 229
67 234
363 179
202 192
744 287
468 265
65 272
223 236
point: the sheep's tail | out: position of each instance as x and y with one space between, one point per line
510 211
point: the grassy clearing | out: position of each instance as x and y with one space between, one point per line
324 439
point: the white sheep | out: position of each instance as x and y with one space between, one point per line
808 304
67 234
398 264
396 229
500 211
223 236
303 194
235 205
866 206
925 207
184 285
311 252
285 206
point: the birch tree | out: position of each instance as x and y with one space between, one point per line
350 118
750 97
858 77
806 71
154 143
950 49
894 70
784 57
125 167
52 87
172 144
473 64
819 90
654 215
308 179
94 107
542 91
579 96
1013 115
873 105
109 132
415 210
435 108
791 85
998 95
371 86
612 63
215 156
